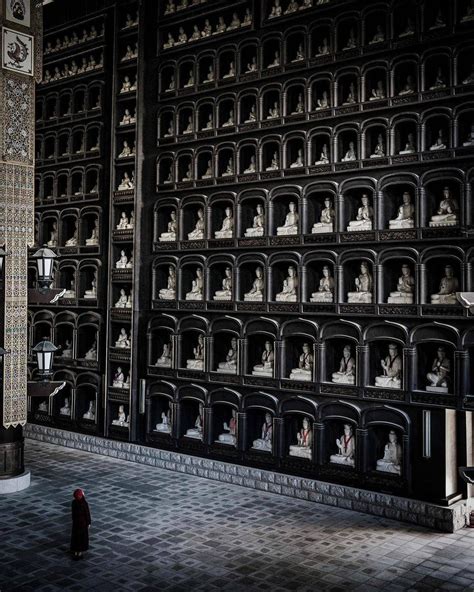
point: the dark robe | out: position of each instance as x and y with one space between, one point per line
81 519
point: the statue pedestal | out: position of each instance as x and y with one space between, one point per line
388 382
322 297
263 445
340 459
321 228
227 439
387 467
194 364
162 429
402 152
285 298
193 433
287 230
359 226
342 378
437 389
222 297
196 236
443 299
163 363
90 296
116 384
253 298
167 237
400 298
191 296
301 451
223 233
359 297
167 295
398 224
298 374
267 372
91 242
227 370
437 221
253 232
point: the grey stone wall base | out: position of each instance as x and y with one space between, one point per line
447 519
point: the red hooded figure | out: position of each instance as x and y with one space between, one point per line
81 520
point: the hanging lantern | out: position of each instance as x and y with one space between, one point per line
44 351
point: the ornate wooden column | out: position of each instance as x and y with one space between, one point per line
21 67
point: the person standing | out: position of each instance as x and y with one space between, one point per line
81 521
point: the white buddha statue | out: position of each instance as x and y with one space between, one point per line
378 92
258 224
323 102
351 97
208 173
326 286
440 81
122 262
189 129
299 162
289 292
164 361
392 457
230 431
121 419
276 60
470 138
43 407
410 146
227 229
324 156
126 150
364 218
171 231
197 286
448 287
292 7
438 378
267 361
379 36
252 114
392 369
252 65
66 408
123 222
275 163
93 240
122 301
92 293
350 154
230 364
406 214
409 88
230 120
252 168
264 443
126 85
299 108
364 286
351 41
447 214
231 71
440 143
165 425
72 242
274 112
70 293
123 340
304 439
53 236
326 219
229 169
347 368
209 76
190 81
256 292
196 431
91 354
409 29
276 10
198 232
90 413
169 293
198 352
405 288
379 151
305 365
126 183
290 225
226 292
324 48
118 378
188 176
67 349
345 448
299 54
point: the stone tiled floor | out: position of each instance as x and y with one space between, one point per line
154 530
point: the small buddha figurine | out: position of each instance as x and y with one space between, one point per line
410 146
406 214
350 154
231 72
126 150
197 286
324 48
439 378
208 172
207 31
188 177
265 368
299 54
440 81
122 301
92 293
210 75
165 426
235 22
290 287
126 85
326 286
351 42
90 413
189 129
409 88
409 29
170 131
392 369
123 340
258 225
209 123
91 354
469 16
405 288
290 225
276 60
364 286
182 37
440 143
227 229
196 431
326 219
379 151
364 218
230 121
252 66
274 112
129 55
198 232
66 408
169 293
190 81
305 365
226 292
378 92
164 361
347 368
118 378
276 10
252 168
299 162
292 7
323 102
447 214
129 302
70 294
182 5
43 407
198 362
126 183
324 156
170 7
229 436
127 118
229 169
392 456
470 78
170 42
264 443
256 292
247 18
66 351
275 163
93 240
196 34
121 419
345 448
439 21
53 236
379 36
448 287
171 230
123 222
221 26
470 138
230 364
304 440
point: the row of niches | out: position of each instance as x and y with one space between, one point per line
79 279
71 227
170 7
374 141
229 21
68 70
402 76
395 276
387 356
68 184
356 207
82 141
91 32
73 103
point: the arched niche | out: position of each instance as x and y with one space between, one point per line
204 163
399 197
320 278
294 151
260 354
297 412
206 69
87 282
441 186
321 37
193 217
285 200
339 354
79 100
65 336
399 278
260 409
385 342
347 82
271 154
359 206
227 64
205 116
247 103
62 184
225 161
220 282
225 346
191 278
247 158
160 399
166 124
444 274
185 120
63 401
270 103
226 116
299 355
184 167
248 57
69 229
251 204
437 70
339 421
437 16
271 55
94 97
192 417
165 170
167 78
376 136
295 46
405 20
465 66
222 216
321 92
87 402
186 74
67 277
347 144
88 336
464 126
252 285
376 82
405 77
438 130
165 212
405 139
284 277
92 179
319 197
376 25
